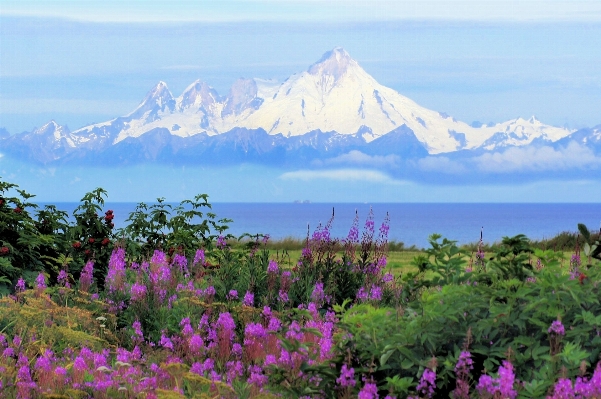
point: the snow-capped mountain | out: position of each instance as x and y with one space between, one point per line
45 144
334 95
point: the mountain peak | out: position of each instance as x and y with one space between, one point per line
158 98
334 62
242 95
198 94
49 127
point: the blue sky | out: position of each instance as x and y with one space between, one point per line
81 62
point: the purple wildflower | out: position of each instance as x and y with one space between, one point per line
199 258
138 292
347 377
40 281
86 276
233 294
272 267
369 391
221 243
115 278
427 383
506 380
20 285
249 299
318 294
63 279
557 328
375 293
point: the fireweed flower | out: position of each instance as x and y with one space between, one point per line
369 391
138 292
181 263
362 294
20 287
506 380
563 389
221 243
318 295
427 383
115 278
488 386
575 261
462 370
256 378
383 232
138 335
353 234
158 257
166 341
63 279
249 299
464 363
347 377
86 276
368 229
187 329
273 267
196 344
40 282
375 293
199 258
209 293
283 296
233 294
557 328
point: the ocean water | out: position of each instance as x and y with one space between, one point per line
410 223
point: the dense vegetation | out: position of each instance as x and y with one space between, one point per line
169 307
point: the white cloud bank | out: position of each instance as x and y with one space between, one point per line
530 159
520 160
357 158
340 175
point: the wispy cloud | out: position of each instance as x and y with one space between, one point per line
308 10
440 164
340 175
39 105
357 158
530 159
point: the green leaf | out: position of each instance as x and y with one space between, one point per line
584 231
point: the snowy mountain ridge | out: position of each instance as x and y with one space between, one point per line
334 94
332 107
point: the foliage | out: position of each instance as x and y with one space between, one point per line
171 309
30 238
181 228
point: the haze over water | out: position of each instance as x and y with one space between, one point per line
410 223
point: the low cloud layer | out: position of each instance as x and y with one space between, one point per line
340 175
530 159
357 158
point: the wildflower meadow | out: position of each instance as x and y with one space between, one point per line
171 306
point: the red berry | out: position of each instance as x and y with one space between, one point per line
18 210
76 245
4 250
105 242
91 240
